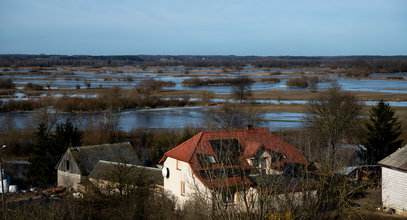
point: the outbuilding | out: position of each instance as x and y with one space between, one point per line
78 162
394 181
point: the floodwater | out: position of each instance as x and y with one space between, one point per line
150 118
58 79
181 117
23 96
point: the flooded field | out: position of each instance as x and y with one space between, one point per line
61 79
79 82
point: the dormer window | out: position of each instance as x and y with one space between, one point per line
211 159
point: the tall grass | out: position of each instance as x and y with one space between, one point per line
23 105
74 104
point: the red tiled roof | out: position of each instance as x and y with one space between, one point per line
184 151
250 140
217 183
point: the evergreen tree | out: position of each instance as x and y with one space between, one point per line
49 149
382 132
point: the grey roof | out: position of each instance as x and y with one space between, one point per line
397 159
356 147
346 170
87 156
103 169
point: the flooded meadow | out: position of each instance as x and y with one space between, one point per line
88 82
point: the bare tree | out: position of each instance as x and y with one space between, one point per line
231 116
333 116
242 90
146 88
45 116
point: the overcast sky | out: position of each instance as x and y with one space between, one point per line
206 27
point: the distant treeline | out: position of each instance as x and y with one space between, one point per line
361 63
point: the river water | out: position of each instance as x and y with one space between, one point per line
149 118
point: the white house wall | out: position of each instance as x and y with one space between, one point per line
172 184
394 190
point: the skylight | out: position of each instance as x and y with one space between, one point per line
227 151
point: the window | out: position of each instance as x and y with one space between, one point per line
178 165
67 165
182 188
262 162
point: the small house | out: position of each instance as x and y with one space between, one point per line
78 162
394 181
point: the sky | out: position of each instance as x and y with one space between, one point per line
208 27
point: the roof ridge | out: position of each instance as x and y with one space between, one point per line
96 146
236 130
196 145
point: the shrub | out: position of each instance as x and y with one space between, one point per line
7 84
395 77
87 84
298 82
193 82
270 80
33 86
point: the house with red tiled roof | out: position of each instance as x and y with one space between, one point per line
212 161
